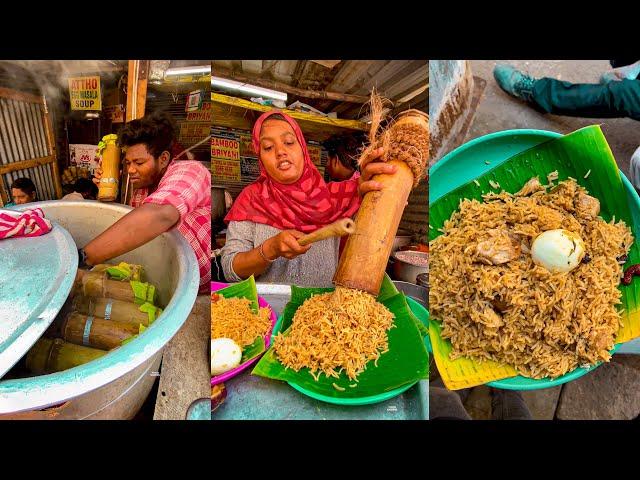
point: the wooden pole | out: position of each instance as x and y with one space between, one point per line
136 102
366 253
283 87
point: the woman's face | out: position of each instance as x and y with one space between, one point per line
280 152
20 197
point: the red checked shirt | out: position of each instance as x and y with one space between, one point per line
187 186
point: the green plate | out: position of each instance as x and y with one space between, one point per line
422 315
479 156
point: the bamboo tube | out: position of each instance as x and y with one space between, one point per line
111 309
96 332
366 253
108 190
339 228
96 284
55 355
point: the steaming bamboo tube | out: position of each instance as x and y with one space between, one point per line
339 228
111 309
96 284
55 355
108 190
96 332
366 253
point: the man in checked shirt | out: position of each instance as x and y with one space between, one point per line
167 193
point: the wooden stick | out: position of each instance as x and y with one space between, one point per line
100 333
339 228
366 253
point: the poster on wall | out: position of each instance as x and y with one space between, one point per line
83 156
192 133
84 93
202 115
225 156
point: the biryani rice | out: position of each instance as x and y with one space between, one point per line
233 318
544 324
335 332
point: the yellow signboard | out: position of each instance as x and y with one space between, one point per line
84 93
225 148
194 132
225 170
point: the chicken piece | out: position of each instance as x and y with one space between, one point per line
586 206
532 186
500 247
549 218
488 317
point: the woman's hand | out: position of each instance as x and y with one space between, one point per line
370 167
285 244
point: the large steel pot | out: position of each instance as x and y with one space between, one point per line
115 385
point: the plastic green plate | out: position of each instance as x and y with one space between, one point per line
461 166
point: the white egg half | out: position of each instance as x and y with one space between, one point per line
225 355
558 250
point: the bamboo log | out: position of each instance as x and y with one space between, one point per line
96 332
55 355
111 309
96 284
366 253
339 228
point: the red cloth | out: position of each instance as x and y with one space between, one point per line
30 223
305 205
187 186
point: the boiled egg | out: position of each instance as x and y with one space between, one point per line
558 250
225 355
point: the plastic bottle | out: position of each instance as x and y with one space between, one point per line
108 189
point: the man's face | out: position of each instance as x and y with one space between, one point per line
280 152
20 197
144 170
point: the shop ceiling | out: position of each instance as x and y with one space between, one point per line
404 82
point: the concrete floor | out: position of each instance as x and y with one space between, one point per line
499 111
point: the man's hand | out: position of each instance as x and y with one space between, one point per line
136 228
285 244
97 175
370 167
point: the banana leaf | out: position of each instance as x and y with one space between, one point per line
406 362
584 152
246 289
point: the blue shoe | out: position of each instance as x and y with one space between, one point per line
514 82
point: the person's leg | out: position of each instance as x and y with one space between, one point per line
508 405
610 100
445 404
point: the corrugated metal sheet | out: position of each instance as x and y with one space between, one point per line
393 78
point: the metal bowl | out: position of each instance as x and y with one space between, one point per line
408 272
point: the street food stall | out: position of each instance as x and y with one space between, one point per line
82 343
265 373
